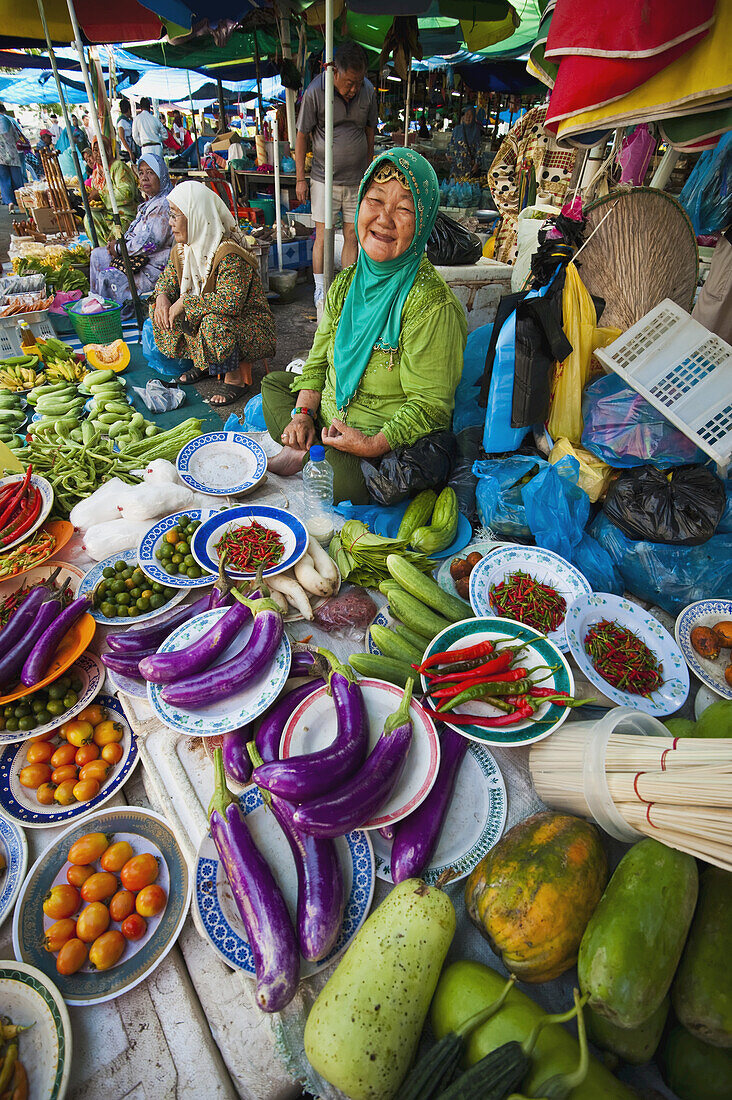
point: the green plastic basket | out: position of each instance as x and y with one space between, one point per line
97 328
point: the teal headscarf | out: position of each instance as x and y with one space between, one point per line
372 312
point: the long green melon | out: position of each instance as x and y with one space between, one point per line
702 989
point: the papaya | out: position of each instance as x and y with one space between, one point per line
634 939
633 1044
466 987
702 989
364 1027
532 895
694 1070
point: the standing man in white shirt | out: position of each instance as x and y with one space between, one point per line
127 148
54 128
148 131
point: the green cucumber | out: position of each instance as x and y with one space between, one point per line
151 430
427 590
413 613
108 418
382 668
636 1045
391 645
96 377
437 536
388 586
418 641
417 514
8 402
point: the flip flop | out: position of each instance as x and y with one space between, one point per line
229 393
192 376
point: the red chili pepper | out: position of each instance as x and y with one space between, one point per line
542 693
452 656
28 518
16 497
498 677
481 721
495 664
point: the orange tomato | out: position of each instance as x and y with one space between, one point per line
112 753
59 933
78 733
78 874
151 900
108 732
66 771
64 754
95 769
33 775
71 957
45 794
88 848
44 736
121 905
133 927
86 754
40 753
86 789
93 714
106 951
61 901
64 793
116 856
92 922
139 871
99 886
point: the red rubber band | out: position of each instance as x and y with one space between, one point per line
648 815
635 787
663 754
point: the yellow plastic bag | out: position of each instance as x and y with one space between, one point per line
594 474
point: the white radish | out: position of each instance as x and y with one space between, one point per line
310 579
280 600
293 593
324 564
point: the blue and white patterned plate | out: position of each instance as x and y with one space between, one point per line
90 670
235 710
146 551
289 528
222 463
217 909
96 574
474 821
15 850
46 490
28 997
482 546
538 650
147 832
21 804
705 613
588 610
543 565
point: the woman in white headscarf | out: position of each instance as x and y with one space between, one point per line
209 304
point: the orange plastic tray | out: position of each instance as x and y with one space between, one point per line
61 530
72 645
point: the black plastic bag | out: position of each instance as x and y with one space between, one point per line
450 245
406 471
681 507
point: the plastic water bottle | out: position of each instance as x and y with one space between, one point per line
317 478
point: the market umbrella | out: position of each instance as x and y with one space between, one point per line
128 22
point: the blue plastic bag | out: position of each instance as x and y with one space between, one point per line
168 368
707 194
498 494
468 413
624 430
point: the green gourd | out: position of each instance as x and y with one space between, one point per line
441 531
702 989
694 1070
418 513
636 1045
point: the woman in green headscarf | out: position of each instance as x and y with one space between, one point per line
388 352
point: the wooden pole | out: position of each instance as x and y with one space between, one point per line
193 117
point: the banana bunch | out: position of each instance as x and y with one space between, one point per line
53 349
19 372
64 370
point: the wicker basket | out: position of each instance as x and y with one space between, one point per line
97 328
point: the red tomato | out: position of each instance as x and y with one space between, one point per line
64 754
134 927
106 951
71 957
86 789
151 900
99 886
86 754
116 855
78 875
112 753
66 771
139 871
92 922
40 753
59 933
88 848
121 905
61 901
45 794
34 775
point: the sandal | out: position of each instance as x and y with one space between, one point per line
192 376
229 393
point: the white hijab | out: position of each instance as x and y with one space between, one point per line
209 222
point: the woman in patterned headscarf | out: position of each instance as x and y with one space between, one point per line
388 353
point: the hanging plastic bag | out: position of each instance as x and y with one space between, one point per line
468 413
450 245
625 430
682 507
406 471
707 194
634 155
529 222
594 474
571 376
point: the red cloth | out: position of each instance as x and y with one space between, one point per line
625 28
133 24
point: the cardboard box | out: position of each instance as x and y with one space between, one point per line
223 141
46 220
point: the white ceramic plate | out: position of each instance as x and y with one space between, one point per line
33 577
150 544
222 463
289 528
96 574
15 852
135 688
90 671
473 824
46 491
705 613
147 832
543 565
235 710
21 804
481 546
588 610
217 909
29 997
313 727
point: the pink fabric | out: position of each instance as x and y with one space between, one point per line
635 153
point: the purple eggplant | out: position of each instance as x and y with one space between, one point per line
225 679
14 659
147 638
40 658
273 724
258 898
300 778
304 663
363 795
164 668
237 764
387 831
24 615
126 664
417 835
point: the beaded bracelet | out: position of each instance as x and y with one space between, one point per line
302 410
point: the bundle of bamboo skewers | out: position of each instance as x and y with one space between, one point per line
677 790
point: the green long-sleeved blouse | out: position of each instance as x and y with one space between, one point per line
408 394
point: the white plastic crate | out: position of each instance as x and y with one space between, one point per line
684 371
40 326
304 219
